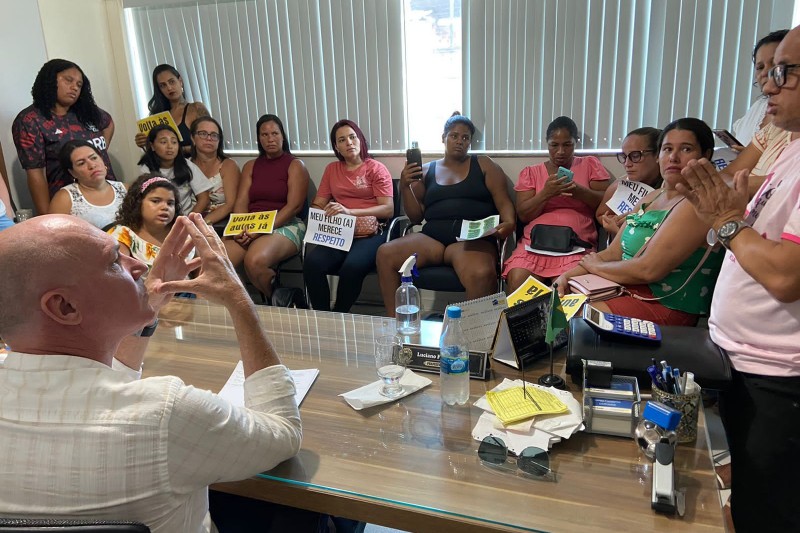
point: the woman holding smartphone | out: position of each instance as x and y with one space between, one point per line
544 197
443 193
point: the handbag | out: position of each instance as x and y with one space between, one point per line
685 347
598 288
366 226
595 288
555 238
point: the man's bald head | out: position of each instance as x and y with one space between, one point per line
36 256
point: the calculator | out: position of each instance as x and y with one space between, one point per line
622 327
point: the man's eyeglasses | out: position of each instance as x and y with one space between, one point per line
532 461
634 156
206 135
778 73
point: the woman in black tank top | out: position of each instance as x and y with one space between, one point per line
444 193
169 95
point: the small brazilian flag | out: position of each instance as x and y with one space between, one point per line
557 320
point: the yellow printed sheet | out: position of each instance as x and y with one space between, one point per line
570 303
511 405
163 118
260 222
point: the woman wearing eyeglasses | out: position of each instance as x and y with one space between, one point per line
221 171
545 198
275 180
639 156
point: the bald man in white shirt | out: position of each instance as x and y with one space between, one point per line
81 435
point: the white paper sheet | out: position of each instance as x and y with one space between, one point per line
233 391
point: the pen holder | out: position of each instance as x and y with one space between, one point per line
688 405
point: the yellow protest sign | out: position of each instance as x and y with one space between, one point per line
571 304
528 291
260 222
159 119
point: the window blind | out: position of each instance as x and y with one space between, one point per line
309 62
611 65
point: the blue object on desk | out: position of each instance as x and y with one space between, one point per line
662 415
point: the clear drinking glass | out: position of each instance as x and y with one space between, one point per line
389 366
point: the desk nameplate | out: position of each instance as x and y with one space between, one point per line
426 359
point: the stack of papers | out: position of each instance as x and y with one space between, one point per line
541 431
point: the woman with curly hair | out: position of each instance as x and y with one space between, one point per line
145 217
63 109
169 95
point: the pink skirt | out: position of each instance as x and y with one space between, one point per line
544 266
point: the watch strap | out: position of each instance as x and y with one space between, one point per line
725 237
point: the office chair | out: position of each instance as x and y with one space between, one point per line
444 277
53 525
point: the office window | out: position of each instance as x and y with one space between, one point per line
611 65
400 67
310 62
433 68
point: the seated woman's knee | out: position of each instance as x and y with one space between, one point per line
478 273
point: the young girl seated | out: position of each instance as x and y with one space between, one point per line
163 156
147 214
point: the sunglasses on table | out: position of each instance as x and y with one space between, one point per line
634 156
532 462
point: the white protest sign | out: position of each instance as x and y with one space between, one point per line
628 194
333 232
723 157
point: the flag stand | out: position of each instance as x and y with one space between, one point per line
552 379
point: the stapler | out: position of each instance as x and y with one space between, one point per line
664 498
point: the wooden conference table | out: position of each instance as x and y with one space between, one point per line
412 464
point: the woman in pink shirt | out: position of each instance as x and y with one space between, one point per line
355 185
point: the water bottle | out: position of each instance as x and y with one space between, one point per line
406 300
454 360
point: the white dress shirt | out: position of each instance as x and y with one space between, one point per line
81 440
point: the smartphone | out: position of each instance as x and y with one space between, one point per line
565 173
727 137
414 155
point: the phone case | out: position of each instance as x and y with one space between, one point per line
565 172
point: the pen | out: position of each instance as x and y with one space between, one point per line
676 375
655 377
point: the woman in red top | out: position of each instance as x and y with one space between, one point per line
276 180
355 185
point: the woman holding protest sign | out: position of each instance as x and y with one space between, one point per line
169 95
274 181
355 185
639 156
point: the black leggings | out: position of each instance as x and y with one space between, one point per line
352 267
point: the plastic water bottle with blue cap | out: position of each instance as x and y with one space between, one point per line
454 360
406 299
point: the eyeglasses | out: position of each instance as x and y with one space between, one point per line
206 135
634 156
532 461
778 73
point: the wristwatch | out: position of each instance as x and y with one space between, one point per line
729 230
148 331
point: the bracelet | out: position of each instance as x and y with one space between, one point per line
148 330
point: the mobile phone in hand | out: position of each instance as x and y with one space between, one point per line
565 173
727 137
414 155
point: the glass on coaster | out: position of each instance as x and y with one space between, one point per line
389 366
